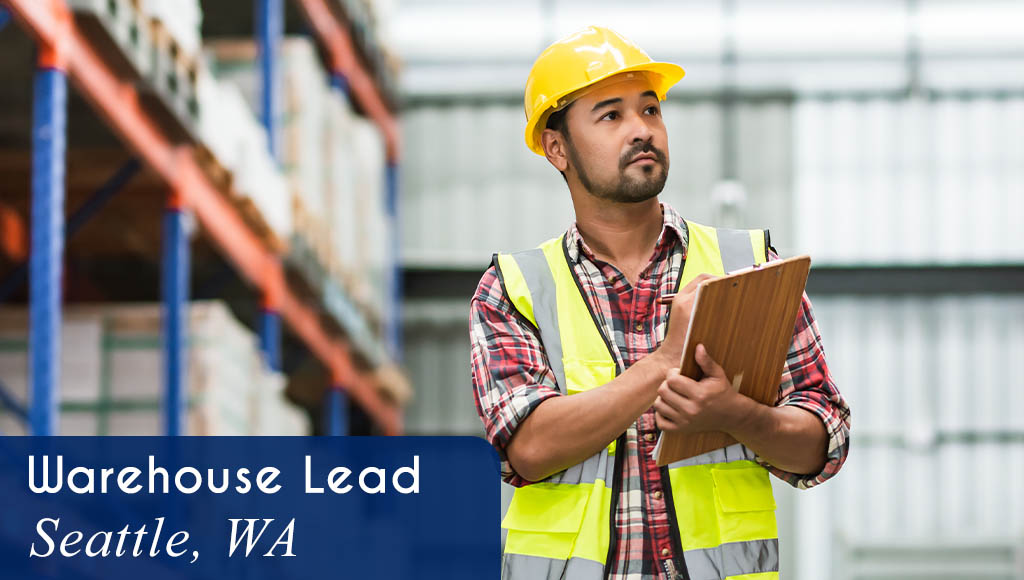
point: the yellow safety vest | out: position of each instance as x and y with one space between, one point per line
721 502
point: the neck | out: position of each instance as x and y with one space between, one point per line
623 234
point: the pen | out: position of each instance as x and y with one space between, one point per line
667 298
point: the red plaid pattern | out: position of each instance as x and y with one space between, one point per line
511 377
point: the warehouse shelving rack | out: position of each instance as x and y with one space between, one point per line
63 53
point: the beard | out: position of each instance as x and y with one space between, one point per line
627 188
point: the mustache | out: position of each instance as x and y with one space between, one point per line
637 150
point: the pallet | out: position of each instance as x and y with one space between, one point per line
119 31
253 217
221 177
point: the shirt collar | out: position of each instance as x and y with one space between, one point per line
673 228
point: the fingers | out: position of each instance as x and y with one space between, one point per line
672 411
669 400
664 423
677 385
708 364
670 416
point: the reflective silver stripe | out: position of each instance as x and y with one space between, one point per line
537 274
599 465
736 452
735 559
737 252
534 266
520 567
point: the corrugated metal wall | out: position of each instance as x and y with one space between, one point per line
937 455
933 181
471 187
437 358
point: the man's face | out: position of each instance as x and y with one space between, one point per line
617 143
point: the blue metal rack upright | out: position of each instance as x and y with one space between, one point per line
269 31
337 411
394 321
174 293
46 261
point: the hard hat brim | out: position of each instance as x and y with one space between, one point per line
663 75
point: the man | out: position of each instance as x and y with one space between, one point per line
575 363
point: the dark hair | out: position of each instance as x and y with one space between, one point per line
558 122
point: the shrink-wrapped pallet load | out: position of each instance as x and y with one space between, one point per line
238 143
374 244
112 373
301 120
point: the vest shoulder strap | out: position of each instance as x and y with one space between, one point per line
721 250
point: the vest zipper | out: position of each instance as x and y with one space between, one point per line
677 543
666 482
613 541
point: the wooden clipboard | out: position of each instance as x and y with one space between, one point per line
745 320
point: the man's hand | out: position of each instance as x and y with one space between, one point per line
671 349
686 405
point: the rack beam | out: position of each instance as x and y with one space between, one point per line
117 101
337 42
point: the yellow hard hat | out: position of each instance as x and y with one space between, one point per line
579 61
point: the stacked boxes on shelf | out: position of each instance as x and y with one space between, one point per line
341 183
112 373
121 30
372 224
237 145
182 19
157 43
334 163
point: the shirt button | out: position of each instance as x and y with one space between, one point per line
639 326
649 437
664 552
611 278
657 495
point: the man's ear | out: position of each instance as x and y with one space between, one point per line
555 149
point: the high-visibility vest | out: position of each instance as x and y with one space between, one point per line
720 503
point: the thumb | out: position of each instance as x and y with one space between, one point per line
708 364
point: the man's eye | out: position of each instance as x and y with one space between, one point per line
652 110
610 115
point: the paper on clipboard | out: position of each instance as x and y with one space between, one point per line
745 321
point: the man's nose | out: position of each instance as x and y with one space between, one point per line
639 130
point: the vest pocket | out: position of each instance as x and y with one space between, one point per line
544 519
746 505
746 489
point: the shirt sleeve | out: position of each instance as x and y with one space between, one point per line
807 383
510 369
